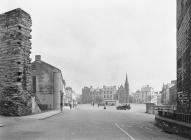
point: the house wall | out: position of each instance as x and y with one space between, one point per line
49 84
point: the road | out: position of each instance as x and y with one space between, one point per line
88 123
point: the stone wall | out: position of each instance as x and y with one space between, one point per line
183 56
15 71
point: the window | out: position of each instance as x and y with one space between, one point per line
34 84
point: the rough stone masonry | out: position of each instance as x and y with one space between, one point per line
183 56
15 63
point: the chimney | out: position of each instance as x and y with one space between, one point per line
37 57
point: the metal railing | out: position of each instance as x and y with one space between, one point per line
171 114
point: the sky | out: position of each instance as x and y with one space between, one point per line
96 42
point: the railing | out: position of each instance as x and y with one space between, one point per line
170 114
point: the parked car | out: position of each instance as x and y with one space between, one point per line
123 107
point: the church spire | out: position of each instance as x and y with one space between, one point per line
126 86
126 82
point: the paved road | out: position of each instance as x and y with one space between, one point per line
87 123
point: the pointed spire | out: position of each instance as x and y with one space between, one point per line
126 80
126 87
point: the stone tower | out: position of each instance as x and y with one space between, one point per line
15 63
126 87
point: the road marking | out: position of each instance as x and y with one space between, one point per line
124 131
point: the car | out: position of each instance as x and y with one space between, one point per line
123 107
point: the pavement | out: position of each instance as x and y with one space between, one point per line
5 120
43 115
89 123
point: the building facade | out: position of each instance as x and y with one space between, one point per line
173 95
167 93
70 97
86 95
47 84
148 94
109 93
137 97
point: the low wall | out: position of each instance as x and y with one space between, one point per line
173 126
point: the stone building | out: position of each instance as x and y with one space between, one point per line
15 63
173 95
98 95
109 94
137 97
159 98
70 97
168 92
183 56
47 84
121 92
86 95
148 94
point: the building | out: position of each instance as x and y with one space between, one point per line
109 93
159 98
70 97
137 97
47 84
15 63
165 94
106 94
98 96
123 92
173 95
86 96
183 56
148 94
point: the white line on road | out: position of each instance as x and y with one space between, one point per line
124 132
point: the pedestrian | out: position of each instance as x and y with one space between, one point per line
61 106
98 105
104 106
70 106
